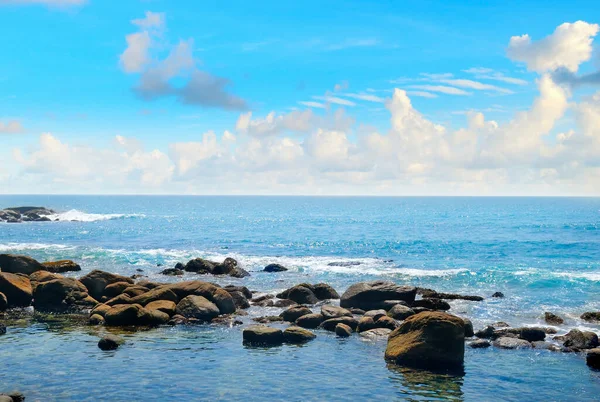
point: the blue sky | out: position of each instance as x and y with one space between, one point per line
63 74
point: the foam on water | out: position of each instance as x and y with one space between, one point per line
75 215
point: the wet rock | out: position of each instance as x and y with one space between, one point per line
262 335
159 293
511 343
230 267
197 307
343 330
375 314
124 315
262 300
172 272
62 266
166 306
223 300
297 335
530 334
267 319
110 342
275 268
400 312
429 293
325 292
19 264
3 302
293 313
432 304
334 311
365 324
96 281
284 303
301 295
376 334
468 328
498 294
330 324
2 329
154 317
96 319
428 340
115 289
592 358
244 290
239 299
16 288
386 322
577 340
200 266
545 346
553 319
310 321
591 316
480 344
486 333
372 295
62 295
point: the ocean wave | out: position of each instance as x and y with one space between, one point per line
75 215
33 246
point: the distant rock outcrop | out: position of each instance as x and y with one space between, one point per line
25 214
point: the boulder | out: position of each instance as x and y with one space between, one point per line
16 288
386 322
365 324
468 328
19 264
223 300
545 346
530 334
302 295
295 312
3 302
498 294
330 324
553 319
592 316
486 333
135 290
375 334
334 311
400 312
96 281
343 330
166 306
172 272
110 342
592 358
196 288
310 321
100 309
578 340
62 295
159 293
505 342
374 314
325 292
239 299
62 266
200 266
275 268
432 304
282 303
480 344
42 276
242 289
297 335
432 340
125 314
262 335
372 295
115 289
429 293
197 307
267 319
96 319
120 299
154 317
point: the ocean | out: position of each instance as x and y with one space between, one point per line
542 253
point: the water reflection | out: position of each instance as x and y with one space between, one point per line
419 385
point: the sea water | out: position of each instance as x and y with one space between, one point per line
542 253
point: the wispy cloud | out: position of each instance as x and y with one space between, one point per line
11 127
334 99
442 89
312 104
483 73
480 86
351 43
422 94
365 97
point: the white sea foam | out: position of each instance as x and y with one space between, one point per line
75 215
33 246
590 276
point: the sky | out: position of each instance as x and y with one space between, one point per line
300 98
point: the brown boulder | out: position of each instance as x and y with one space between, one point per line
159 293
297 335
553 319
96 281
115 289
59 267
310 321
19 264
197 307
330 324
343 330
334 311
295 312
61 295
261 335
373 295
166 306
16 288
125 314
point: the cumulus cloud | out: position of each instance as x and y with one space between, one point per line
11 127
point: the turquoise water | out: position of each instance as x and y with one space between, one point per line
543 253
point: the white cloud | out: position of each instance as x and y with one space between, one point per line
11 127
135 57
441 89
365 97
273 124
568 47
422 94
312 104
334 99
152 20
462 83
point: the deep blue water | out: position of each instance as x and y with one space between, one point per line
543 253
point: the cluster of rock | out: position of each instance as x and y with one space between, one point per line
25 214
203 266
12 397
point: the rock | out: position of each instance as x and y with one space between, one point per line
2 329
148 285
359 311
297 335
62 266
344 263
400 312
293 313
19 264
224 302
592 358
275 268
365 324
468 328
486 333
42 276
100 309
242 289
179 265
200 266
480 344
115 289
262 335
429 293
553 319
172 272
283 303
240 301
376 333
432 304
375 314
545 346
498 294
334 311
302 295
371 295
532 334
62 295
159 293
3 302
125 314
166 306
500 324
267 319
591 316
110 342
154 317
187 288
505 342
310 321
343 330
197 307
16 288
96 319
386 322
120 299
330 324
325 292
432 340
134 291
578 340
96 281
15 397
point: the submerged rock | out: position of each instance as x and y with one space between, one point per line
19 264
297 335
553 319
110 342
433 340
498 294
262 335
480 344
373 295
16 288
275 268
512 343
592 358
376 333
342 330
62 266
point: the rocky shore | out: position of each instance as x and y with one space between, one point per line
416 322
26 214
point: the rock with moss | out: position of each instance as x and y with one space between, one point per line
61 266
17 289
297 335
376 295
262 335
19 264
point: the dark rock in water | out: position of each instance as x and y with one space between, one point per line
325 292
197 307
329 325
344 263
284 303
500 324
244 290
297 335
486 333
578 340
110 342
371 295
2 329
19 264
302 295
275 268
334 311
310 321
530 334
418 310
343 330
386 322
545 346
498 294
228 267
239 299
468 328
261 335
429 293
262 300
179 266
96 281
139 270
592 358
511 343
59 267
480 344
3 302
553 319
172 272
375 334
25 214
16 288
14 397
200 266
375 314
431 340
267 319
293 313
365 324
62 295
591 316
432 304
400 312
